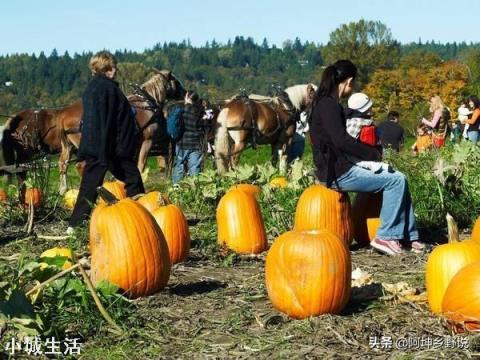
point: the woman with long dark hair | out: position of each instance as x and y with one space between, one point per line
332 150
474 121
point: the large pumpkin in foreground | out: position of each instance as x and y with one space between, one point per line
240 223
153 200
308 273
248 188
128 248
175 229
462 298
444 262
322 208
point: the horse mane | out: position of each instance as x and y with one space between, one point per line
156 87
298 95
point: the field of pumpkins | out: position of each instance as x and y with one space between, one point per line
251 264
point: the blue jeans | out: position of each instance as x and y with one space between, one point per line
473 136
191 158
297 148
397 216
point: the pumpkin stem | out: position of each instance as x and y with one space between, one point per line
452 229
163 200
106 195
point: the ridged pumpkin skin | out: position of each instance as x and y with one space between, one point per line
462 298
444 262
365 207
153 200
476 231
240 223
279 182
117 188
308 273
175 229
248 188
33 195
128 248
70 198
322 208
3 195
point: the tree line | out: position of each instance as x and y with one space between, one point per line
388 70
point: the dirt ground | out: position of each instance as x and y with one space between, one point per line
218 308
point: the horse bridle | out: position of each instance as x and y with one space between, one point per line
37 140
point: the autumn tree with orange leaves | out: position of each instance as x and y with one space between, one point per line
408 88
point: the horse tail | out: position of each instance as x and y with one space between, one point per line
222 142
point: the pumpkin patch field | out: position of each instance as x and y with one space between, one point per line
252 264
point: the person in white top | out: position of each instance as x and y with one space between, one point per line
297 148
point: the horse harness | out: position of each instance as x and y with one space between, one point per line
255 132
36 140
152 105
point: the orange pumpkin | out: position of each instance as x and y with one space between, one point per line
461 302
308 273
153 200
117 188
240 223
444 262
248 188
476 231
33 196
128 248
372 226
175 229
3 195
365 207
322 208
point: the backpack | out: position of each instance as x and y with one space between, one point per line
368 135
175 125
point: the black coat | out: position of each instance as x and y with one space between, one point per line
331 143
108 123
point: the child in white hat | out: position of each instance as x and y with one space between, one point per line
359 116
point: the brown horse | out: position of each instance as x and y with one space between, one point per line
259 120
58 130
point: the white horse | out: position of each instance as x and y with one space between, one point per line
259 120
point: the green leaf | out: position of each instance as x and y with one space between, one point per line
18 311
107 288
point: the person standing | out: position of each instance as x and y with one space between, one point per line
297 147
390 132
439 121
189 147
332 147
108 137
474 121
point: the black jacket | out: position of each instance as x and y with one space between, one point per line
108 123
332 145
193 134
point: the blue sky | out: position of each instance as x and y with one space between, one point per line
87 25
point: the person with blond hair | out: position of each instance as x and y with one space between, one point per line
108 137
439 121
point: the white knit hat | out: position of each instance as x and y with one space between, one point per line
360 102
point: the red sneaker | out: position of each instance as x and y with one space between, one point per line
387 247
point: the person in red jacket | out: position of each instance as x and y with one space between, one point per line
332 149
